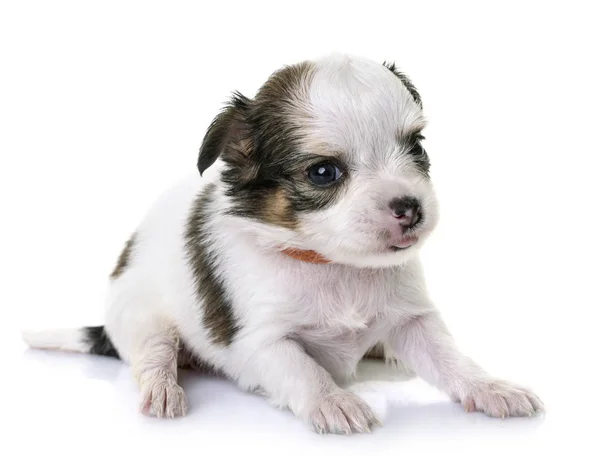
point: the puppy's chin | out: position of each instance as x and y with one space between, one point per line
270 237
386 259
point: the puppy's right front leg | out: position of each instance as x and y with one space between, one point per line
154 364
293 379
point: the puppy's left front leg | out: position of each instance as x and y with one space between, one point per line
292 378
429 349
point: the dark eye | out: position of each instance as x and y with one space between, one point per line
324 174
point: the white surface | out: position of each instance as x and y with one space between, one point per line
104 106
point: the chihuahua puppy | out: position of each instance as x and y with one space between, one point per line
293 256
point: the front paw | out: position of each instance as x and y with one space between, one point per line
163 397
342 412
501 399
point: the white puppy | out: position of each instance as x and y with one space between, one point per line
295 257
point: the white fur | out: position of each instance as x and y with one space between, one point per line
303 327
57 339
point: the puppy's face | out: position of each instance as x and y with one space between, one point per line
328 157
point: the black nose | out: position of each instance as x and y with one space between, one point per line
407 210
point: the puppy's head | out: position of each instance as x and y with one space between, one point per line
328 157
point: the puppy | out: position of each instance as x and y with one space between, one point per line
293 256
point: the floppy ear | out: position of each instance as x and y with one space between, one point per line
228 134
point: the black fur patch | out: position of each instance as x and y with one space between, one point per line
124 258
412 145
226 131
100 344
406 81
260 140
216 306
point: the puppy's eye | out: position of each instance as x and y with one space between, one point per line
324 174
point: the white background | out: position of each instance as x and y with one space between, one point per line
104 104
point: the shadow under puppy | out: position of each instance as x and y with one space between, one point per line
293 256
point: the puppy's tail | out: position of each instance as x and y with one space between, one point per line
89 339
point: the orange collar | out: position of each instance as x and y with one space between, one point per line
308 256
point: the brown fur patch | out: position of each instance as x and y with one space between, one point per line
277 210
124 258
268 153
217 311
287 85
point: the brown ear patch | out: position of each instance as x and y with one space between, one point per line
124 258
227 136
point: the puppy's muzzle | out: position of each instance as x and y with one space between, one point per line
407 211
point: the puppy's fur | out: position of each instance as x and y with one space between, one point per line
326 159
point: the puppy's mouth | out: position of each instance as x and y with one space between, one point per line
405 243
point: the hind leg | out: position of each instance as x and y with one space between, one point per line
154 364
